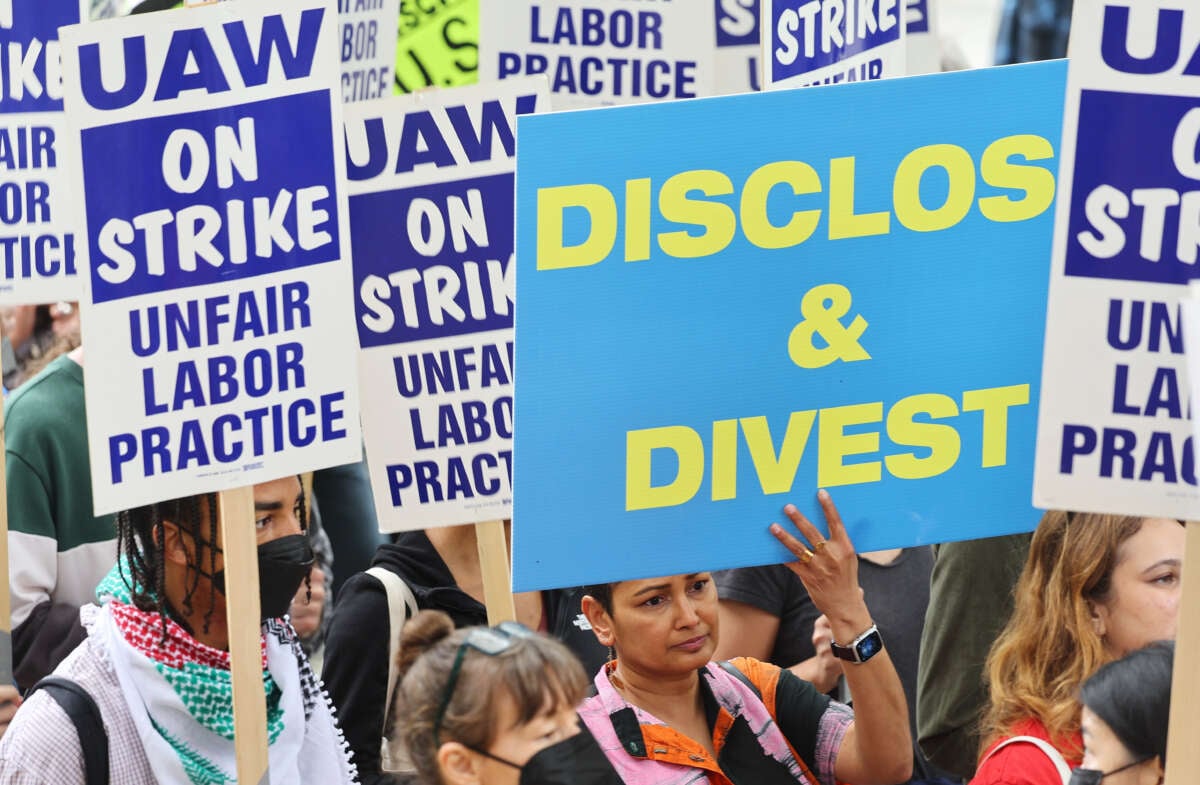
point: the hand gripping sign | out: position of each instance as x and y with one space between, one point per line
1114 433
211 184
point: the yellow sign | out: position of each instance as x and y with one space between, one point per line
437 44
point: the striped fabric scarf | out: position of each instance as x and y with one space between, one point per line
186 692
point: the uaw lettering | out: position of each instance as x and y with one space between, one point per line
368 47
192 62
1137 216
923 428
636 33
1139 389
1017 189
32 245
817 34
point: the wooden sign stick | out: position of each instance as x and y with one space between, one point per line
1183 753
493 563
242 611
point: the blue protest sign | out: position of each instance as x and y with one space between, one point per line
739 47
210 177
431 208
37 247
718 315
1127 236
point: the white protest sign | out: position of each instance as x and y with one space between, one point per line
1114 434
431 208
38 247
210 176
922 51
368 45
739 47
814 42
601 52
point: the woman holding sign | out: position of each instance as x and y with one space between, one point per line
665 713
1094 588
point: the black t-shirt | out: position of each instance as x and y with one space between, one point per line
896 594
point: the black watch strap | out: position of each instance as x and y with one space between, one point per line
862 648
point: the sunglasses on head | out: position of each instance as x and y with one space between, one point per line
489 641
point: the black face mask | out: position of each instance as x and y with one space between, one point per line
574 761
283 564
1082 776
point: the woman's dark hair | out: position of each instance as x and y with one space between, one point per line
601 593
1133 697
140 543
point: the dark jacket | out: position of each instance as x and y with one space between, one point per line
356 648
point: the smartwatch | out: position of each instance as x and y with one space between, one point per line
862 648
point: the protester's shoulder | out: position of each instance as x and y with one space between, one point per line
766 587
1018 763
36 739
36 407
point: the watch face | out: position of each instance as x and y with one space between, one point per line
869 646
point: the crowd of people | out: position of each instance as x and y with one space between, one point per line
1034 659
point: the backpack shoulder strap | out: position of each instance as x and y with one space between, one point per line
402 605
733 671
1060 763
85 715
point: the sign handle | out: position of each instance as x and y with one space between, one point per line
1183 754
242 611
493 564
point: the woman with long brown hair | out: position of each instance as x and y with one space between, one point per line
1094 588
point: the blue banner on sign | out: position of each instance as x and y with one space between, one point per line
737 22
212 196
811 34
712 325
1135 213
445 273
916 16
30 70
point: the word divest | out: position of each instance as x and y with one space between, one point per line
602 52
38 250
207 154
431 208
1115 431
813 42
708 330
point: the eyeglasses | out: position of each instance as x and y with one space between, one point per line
489 641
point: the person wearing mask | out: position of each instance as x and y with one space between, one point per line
156 662
665 713
1094 588
1126 714
492 706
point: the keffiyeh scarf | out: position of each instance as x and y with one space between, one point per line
180 693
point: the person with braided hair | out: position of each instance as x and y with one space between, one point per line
156 659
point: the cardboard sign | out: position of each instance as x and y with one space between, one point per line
812 42
709 329
1114 434
431 209
210 178
739 47
922 50
38 248
601 52
368 47
438 44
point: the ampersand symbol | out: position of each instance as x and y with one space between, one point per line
823 308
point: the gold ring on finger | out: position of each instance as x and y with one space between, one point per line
806 557
819 546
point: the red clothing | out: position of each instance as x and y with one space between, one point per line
1026 764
